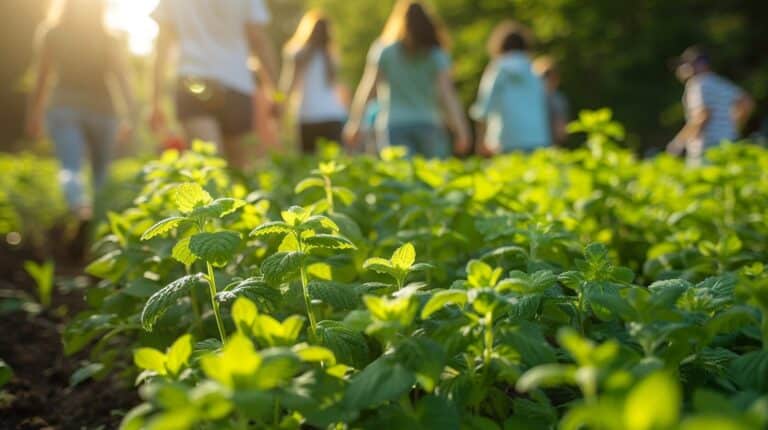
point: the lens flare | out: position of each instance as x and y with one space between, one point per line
132 17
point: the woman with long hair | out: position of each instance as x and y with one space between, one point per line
75 46
410 70
309 80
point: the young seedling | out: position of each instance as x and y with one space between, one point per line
43 275
303 235
399 266
214 246
322 177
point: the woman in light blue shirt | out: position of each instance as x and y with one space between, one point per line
411 74
511 107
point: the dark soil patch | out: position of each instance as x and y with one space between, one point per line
39 396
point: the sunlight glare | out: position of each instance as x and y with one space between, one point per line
133 18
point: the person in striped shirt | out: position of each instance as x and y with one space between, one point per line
715 108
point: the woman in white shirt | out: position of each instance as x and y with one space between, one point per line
309 80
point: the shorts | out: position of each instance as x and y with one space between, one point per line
232 110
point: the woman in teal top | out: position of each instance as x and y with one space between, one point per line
511 107
410 72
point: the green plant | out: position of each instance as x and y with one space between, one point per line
43 275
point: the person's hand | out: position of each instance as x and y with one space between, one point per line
157 120
675 147
351 135
34 127
484 151
462 145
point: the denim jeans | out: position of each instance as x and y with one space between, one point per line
74 132
428 140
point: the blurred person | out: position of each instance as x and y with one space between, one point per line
75 47
559 108
309 80
715 108
215 87
410 70
511 107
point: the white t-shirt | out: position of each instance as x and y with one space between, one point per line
717 95
212 40
318 100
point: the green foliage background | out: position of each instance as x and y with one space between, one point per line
612 53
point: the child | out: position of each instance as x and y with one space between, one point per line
511 107
559 109
410 69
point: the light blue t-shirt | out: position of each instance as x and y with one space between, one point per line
407 89
512 101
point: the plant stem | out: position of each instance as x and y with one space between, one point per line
307 300
215 304
329 193
488 336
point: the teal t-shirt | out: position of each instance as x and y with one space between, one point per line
407 89
512 101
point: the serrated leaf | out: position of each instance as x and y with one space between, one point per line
404 257
216 248
320 222
380 265
189 196
178 354
166 297
218 208
442 299
255 289
381 381
182 253
334 294
307 184
163 227
348 346
281 266
270 228
329 241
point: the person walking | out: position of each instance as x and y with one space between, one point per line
309 81
715 108
511 107
82 117
410 70
214 87
559 108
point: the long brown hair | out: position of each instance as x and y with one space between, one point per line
412 25
313 34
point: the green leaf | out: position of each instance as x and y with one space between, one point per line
307 184
349 346
334 294
295 216
43 275
441 299
255 289
270 228
281 266
163 227
404 257
546 375
150 359
346 195
654 403
166 297
320 222
328 241
189 196
216 248
750 371
178 354
218 208
244 313
380 382
84 373
6 373
480 274
315 354
182 253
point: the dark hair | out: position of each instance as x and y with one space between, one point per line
508 36
411 24
313 34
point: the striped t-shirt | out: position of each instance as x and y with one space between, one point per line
717 95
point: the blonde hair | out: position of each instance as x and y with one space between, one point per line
413 25
313 33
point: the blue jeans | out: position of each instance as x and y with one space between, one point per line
75 131
428 140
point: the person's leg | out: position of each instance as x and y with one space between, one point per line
69 140
204 128
101 131
403 135
235 118
436 143
308 137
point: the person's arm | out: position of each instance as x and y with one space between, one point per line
742 109
165 40
261 46
457 121
359 101
288 75
39 95
124 80
486 95
690 131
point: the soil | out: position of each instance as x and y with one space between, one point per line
39 396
